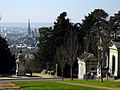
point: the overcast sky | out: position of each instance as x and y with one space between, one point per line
48 10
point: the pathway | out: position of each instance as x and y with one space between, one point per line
9 86
94 86
6 83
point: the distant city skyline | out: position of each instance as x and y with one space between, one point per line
46 11
25 25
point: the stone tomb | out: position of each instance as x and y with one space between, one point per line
114 59
87 63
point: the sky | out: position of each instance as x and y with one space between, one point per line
47 11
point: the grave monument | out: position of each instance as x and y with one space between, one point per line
20 65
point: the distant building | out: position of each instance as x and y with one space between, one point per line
36 32
32 34
29 29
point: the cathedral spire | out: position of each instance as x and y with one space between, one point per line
29 29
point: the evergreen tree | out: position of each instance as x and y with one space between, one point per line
92 24
43 57
95 27
6 57
61 28
114 24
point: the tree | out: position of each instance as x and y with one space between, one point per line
61 27
51 39
29 65
94 25
44 54
60 32
7 58
114 24
61 56
72 49
65 34
100 27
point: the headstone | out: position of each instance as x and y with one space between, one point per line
20 65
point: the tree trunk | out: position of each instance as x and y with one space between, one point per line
86 71
62 72
30 73
101 72
71 72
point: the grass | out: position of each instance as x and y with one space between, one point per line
96 82
35 85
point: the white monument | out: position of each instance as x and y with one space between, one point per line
114 59
87 63
20 65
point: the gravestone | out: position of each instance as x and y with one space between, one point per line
20 65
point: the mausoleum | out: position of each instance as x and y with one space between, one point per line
114 59
87 64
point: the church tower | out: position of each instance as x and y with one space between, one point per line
29 29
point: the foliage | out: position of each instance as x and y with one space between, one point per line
7 58
114 24
45 49
66 35
30 65
33 85
95 27
61 28
73 39
60 35
90 26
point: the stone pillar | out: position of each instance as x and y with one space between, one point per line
17 65
56 69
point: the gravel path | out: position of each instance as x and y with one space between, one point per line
94 86
9 86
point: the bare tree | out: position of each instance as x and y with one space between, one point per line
86 49
61 56
72 49
103 40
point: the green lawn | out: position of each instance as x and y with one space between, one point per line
35 85
96 82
